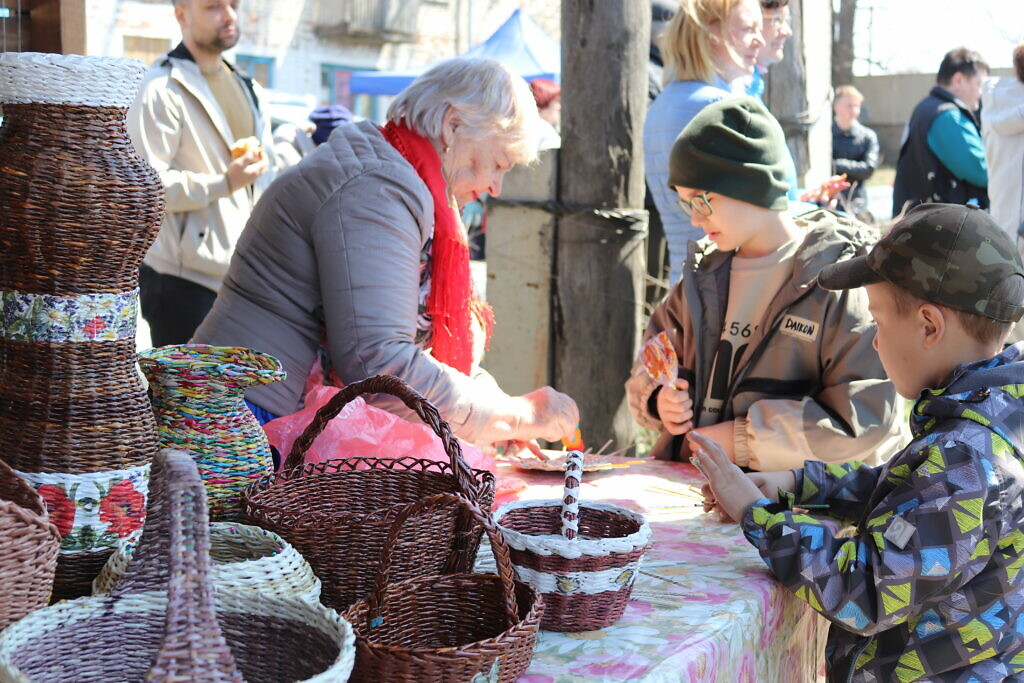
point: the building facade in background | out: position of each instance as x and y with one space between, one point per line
306 52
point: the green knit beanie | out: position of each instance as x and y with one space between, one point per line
733 147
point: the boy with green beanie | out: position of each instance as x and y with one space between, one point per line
774 368
929 586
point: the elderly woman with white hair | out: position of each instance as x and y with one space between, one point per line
359 249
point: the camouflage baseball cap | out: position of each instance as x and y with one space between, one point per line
949 254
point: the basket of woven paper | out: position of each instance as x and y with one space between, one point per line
337 513
582 557
245 558
28 548
448 628
199 401
162 622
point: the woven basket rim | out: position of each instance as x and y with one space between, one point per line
536 604
267 482
70 80
76 611
176 358
69 61
29 518
296 582
237 529
556 544
38 505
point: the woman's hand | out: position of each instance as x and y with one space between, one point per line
547 414
731 489
541 414
522 450
675 407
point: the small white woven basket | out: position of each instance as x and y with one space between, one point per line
28 77
245 558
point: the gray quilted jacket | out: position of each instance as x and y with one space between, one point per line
334 246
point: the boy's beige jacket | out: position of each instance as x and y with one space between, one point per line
810 387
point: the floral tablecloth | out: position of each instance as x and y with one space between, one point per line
704 608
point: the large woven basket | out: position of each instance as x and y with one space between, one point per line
582 557
162 623
199 401
337 513
245 558
28 548
445 629
78 210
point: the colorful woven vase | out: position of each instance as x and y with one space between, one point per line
78 210
198 394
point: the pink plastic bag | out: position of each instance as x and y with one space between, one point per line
363 430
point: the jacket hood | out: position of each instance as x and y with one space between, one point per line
828 238
987 392
182 53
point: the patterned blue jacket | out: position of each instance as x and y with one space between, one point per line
929 587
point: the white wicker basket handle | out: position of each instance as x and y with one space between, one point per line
571 494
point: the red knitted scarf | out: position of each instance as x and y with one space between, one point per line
450 303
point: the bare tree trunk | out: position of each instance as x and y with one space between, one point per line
842 43
798 91
600 261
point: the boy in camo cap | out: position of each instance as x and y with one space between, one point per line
930 585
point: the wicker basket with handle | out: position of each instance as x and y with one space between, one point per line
29 543
582 557
245 558
338 513
162 621
444 629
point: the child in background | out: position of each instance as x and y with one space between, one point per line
930 585
772 367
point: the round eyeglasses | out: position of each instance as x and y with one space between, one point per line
700 203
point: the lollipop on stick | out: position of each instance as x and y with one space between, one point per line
660 359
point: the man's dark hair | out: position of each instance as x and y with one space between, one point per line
960 61
773 4
1018 62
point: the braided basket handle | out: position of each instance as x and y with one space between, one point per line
147 568
571 495
387 384
501 554
174 552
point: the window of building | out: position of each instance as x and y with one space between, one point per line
334 89
146 49
259 69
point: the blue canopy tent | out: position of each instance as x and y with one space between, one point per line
520 43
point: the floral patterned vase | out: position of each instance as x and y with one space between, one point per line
78 210
198 396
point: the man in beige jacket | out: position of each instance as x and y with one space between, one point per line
191 109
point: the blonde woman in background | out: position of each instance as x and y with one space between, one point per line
709 48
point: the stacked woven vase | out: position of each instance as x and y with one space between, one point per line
78 210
